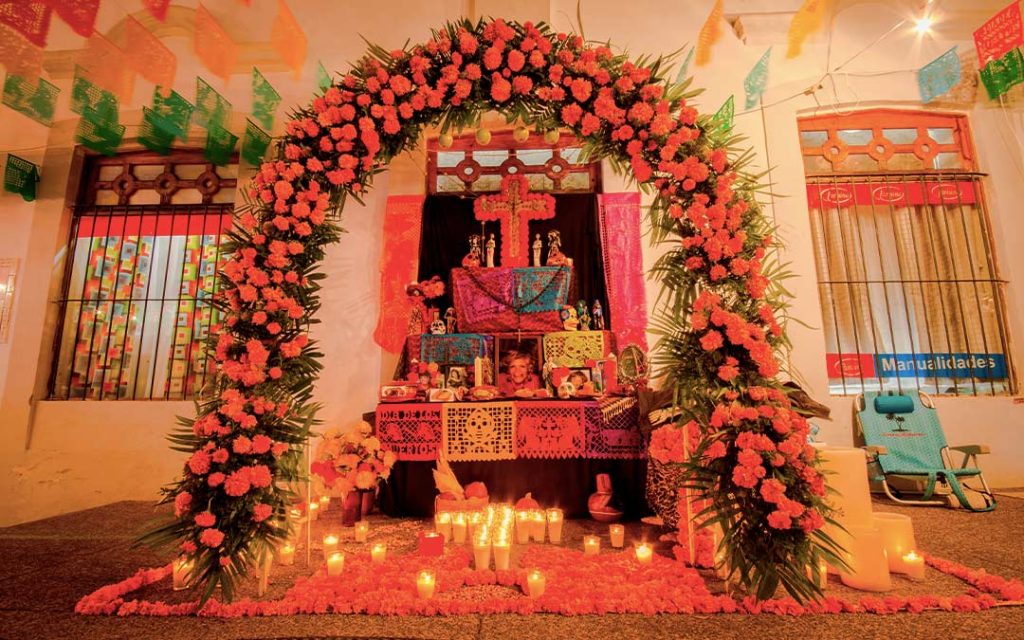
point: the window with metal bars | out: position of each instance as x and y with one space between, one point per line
910 293
140 276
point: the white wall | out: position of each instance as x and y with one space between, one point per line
68 455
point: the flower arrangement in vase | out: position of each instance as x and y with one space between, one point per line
350 465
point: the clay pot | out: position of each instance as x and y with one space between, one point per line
600 504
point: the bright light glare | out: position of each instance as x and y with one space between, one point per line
923 24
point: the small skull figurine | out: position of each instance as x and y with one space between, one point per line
566 390
473 258
437 326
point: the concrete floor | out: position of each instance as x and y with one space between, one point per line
49 564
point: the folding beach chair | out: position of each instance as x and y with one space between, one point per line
904 439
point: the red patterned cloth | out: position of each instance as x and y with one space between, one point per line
549 430
612 429
30 19
412 431
399 261
499 299
623 266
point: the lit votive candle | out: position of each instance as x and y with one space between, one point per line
555 521
913 565
482 553
286 555
591 545
502 553
473 521
295 514
459 528
539 524
330 544
362 530
378 553
335 563
180 573
325 503
617 533
644 553
535 583
443 524
314 509
524 526
425 584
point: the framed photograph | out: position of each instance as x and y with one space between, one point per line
456 377
519 364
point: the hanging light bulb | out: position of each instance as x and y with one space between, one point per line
923 24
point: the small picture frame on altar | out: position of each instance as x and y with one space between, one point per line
456 377
582 380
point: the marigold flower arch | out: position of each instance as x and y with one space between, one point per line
742 444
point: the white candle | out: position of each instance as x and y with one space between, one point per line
482 554
539 522
555 521
314 509
180 573
478 372
591 545
913 565
535 583
618 535
644 553
325 503
425 584
330 544
869 567
335 563
286 555
523 527
443 524
362 530
459 528
502 553
897 535
378 553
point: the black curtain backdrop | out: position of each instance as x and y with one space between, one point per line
448 222
564 483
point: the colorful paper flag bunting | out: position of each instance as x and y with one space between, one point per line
212 44
265 100
107 66
220 144
157 8
254 144
289 39
174 113
709 34
722 120
29 18
806 21
685 69
323 78
18 55
999 34
211 107
37 101
85 95
939 76
154 133
756 81
150 57
80 15
99 135
20 177
1002 73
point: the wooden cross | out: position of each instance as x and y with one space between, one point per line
513 209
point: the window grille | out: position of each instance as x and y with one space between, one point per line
909 288
141 272
467 167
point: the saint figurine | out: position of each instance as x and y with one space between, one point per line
583 314
449 319
472 258
490 250
555 256
597 316
537 246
